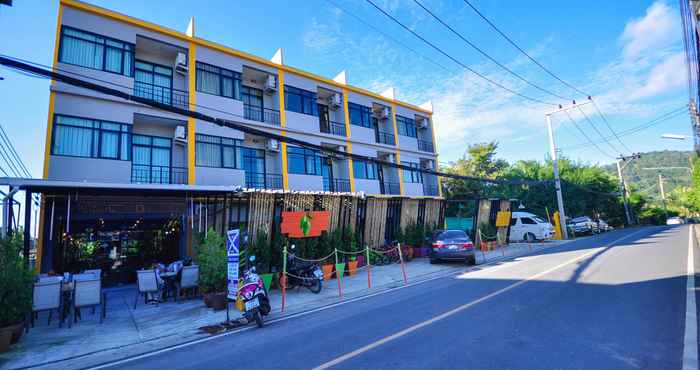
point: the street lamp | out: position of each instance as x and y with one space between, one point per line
673 136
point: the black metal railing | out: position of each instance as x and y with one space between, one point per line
253 113
334 128
386 138
426 146
149 174
336 185
430 190
391 188
164 95
259 180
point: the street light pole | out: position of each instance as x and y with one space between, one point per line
623 191
663 194
557 180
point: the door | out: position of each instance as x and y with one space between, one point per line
324 118
380 177
327 172
516 229
530 226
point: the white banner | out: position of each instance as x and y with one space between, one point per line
232 253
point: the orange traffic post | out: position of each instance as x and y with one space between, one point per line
369 269
403 268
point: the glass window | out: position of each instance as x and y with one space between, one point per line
406 126
215 151
83 137
300 101
364 170
218 81
303 161
528 221
153 82
411 176
452 234
360 115
90 50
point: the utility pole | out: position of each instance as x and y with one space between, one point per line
557 180
663 194
623 187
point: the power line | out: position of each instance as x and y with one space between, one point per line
523 51
456 60
486 55
585 116
13 151
586 136
600 112
15 64
664 117
378 30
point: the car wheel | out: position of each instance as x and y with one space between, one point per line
471 261
529 237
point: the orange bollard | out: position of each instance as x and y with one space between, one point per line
283 283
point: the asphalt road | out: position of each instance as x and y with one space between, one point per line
613 301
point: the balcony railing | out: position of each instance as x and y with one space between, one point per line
149 174
426 146
160 94
391 188
259 180
386 138
334 128
336 185
253 113
430 190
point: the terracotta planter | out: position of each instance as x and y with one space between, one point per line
327 271
361 261
5 339
218 301
352 267
16 330
417 252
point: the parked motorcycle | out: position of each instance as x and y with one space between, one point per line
303 273
255 299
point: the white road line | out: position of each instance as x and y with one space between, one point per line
690 342
461 308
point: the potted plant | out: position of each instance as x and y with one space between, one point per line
212 261
350 244
262 250
323 248
15 291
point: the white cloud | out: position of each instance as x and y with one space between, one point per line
319 36
666 76
657 29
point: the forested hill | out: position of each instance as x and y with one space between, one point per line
647 180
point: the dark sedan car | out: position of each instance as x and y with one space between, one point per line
451 245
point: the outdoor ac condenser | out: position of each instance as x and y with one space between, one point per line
181 63
270 84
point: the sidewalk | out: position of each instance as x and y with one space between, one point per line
127 331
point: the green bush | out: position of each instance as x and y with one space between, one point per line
213 262
15 283
263 252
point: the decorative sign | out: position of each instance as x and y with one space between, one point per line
304 224
232 254
502 218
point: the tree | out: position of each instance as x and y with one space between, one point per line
478 161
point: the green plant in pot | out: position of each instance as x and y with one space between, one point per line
15 291
212 261
262 250
350 245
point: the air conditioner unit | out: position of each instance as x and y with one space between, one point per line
428 165
384 113
181 63
180 135
423 123
390 158
272 145
270 84
334 101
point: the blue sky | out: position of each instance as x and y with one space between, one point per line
628 54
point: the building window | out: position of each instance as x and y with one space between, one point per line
303 161
406 126
153 82
300 101
360 115
90 50
411 176
218 81
364 170
215 151
82 137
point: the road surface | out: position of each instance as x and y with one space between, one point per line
613 301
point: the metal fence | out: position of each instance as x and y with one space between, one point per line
336 185
253 113
426 146
150 174
164 95
386 138
334 128
393 188
259 180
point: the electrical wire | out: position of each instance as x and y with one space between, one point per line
590 122
433 46
522 50
486 55
586 135
53 74
600 113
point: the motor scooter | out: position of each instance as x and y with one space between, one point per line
254 295
303 273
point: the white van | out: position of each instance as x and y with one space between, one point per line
529 227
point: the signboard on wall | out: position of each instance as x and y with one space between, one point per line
503 218
232 255
304 224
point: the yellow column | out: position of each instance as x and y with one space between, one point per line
191 122
283 123
432 130
398 150
347 140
